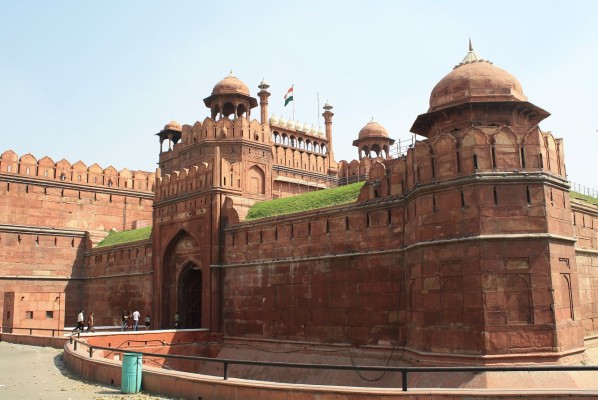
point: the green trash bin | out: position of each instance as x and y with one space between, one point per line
131 375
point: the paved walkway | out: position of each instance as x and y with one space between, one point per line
30 372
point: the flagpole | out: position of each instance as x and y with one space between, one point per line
318 110
293 86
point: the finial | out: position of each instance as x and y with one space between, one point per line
263 84
372 119
231 75
471 57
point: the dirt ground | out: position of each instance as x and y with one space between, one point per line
30 372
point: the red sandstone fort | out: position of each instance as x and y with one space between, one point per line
467 247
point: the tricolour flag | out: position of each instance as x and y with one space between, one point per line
288 97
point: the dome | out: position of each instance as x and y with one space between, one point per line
475 80
173 126
372 130
313 130
321 133
291 124
231 85
273 120
282 122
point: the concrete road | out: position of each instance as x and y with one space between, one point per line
30 372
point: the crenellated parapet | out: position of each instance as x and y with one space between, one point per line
78 173
184 181
222 129
495 151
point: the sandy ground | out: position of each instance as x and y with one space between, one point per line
30 372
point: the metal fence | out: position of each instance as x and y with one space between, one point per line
404 371
74 339
588 191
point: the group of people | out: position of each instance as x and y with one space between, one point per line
135 315
125 321
81 322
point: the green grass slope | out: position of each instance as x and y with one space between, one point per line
589 199
134 235
305 202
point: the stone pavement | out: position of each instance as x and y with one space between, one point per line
30 372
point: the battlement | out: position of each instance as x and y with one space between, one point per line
483 149
186 180
45 168
224 128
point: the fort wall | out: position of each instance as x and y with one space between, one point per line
585 217
51 212
118 278
313 277
475 230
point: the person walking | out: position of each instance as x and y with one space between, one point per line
177 320
125 316
136 316
80 319
148 322
90 326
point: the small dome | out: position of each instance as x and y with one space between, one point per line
231 85
273 120
291 124
313 130
173 126
282 122
321 133
372 130
475 80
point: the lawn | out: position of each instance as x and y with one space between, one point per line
134 235
306 201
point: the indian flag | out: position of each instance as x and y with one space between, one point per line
288 97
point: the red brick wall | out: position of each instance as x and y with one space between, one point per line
49 210
330 290
586 231
118 278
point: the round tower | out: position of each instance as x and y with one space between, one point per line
502 263
264 94
328 114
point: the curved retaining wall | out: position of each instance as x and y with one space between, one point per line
202 387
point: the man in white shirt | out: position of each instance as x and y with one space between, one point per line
136 316
80 320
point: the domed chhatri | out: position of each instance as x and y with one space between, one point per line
373 130
231 85
173 126
475 80
475 84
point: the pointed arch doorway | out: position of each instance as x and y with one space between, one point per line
190 297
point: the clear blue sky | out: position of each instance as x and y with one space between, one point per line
94 81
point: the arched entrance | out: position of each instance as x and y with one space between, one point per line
190 297
181 282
